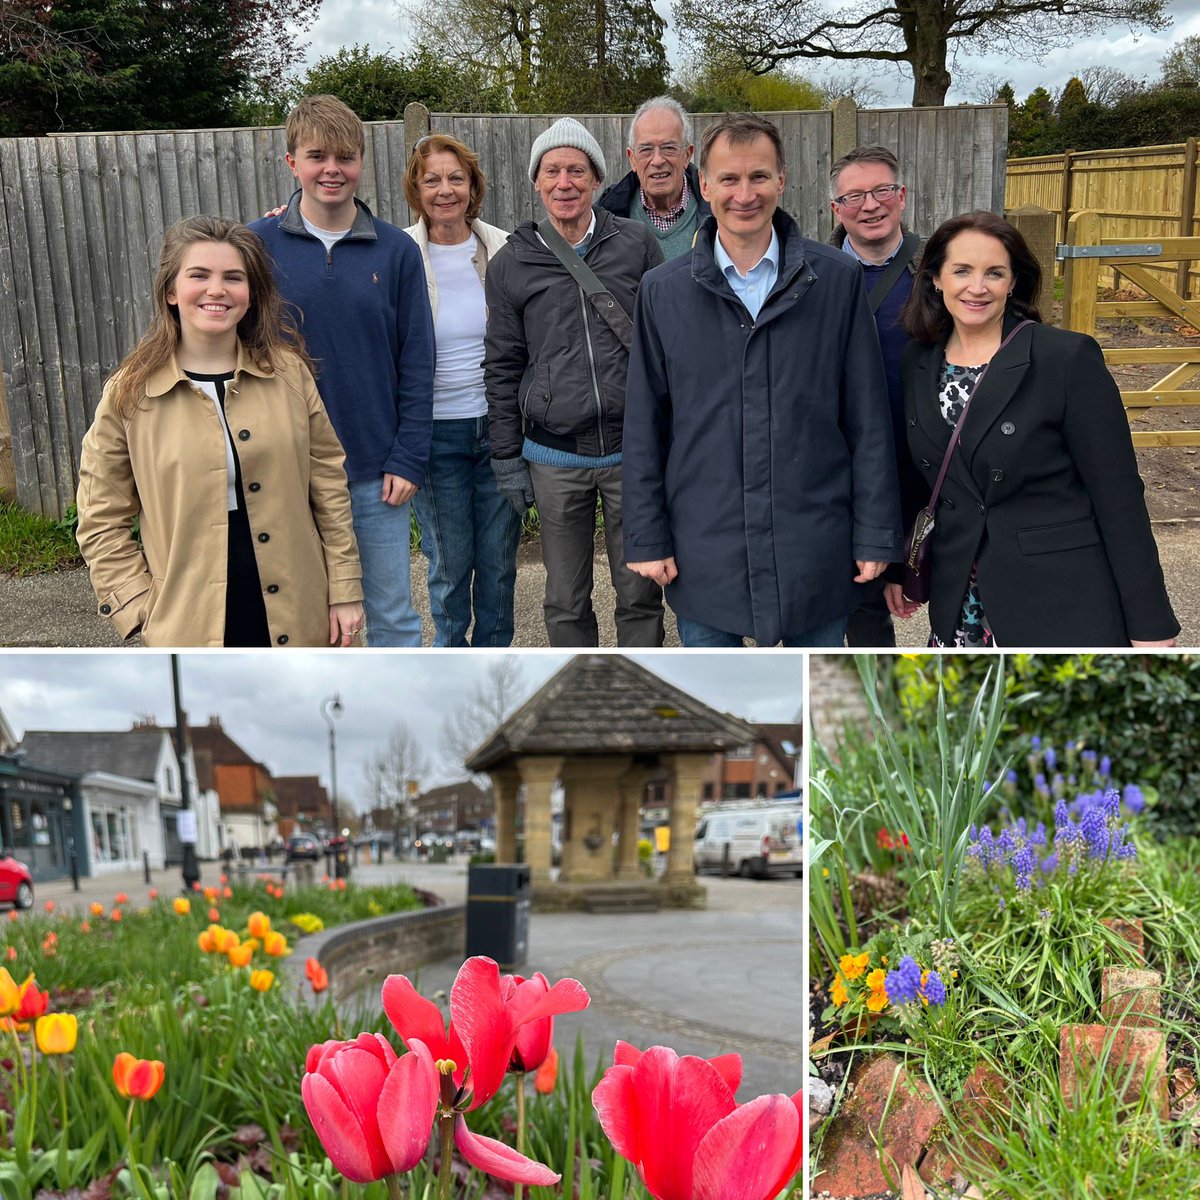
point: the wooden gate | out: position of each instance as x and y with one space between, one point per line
1084 253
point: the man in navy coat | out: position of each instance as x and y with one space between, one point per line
760 475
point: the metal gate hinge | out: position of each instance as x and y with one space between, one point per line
1128 250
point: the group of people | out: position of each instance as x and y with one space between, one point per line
757 417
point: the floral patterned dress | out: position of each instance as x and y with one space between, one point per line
972 631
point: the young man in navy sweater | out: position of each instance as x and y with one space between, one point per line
358 284
868 201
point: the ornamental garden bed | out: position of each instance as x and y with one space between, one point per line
158 1051
1005 947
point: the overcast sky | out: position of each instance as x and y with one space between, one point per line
376 23
271 703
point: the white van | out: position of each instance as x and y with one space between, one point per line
763 840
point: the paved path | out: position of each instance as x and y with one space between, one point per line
59 609
726 978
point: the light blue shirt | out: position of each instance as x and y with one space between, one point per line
753 287
850 250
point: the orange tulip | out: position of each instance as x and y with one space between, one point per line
137 1078
56 1033
85 927
121 898
228 893
224 879
311 965
214 915
547 1073
259 925
116 914
182 905
96 908
261 981
210 893
227 939
12 953
49 906
319 979
275 944
341 883
154 893
240 956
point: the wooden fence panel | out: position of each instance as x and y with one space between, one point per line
82 218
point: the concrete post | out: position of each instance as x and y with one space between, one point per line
688 779
844 136
591 789
506 782
1039 227
539 775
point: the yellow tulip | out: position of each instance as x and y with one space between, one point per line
182 905
227 940
261 981
56 1033
10 993
259 925
275 944
240 956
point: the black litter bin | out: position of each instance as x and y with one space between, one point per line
498 898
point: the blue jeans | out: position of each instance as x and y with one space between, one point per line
469 533
383 532
696 634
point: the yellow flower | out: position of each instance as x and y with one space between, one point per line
259 925
877 1001
839 993
876 978
261 981
240 956
56 1033
182 905
275 944
10 993
853 965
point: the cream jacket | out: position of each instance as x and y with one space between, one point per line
490 239
166 465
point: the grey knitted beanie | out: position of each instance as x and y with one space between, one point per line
566 131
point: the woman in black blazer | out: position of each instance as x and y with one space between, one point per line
1041 536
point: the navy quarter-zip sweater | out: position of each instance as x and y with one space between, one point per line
363 309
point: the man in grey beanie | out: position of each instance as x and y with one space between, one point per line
555 359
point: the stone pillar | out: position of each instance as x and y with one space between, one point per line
506 783
687 780
1039 227
539 774
592 799
632 788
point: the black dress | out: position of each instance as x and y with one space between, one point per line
245 610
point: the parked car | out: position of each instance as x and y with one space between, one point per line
763 840
16 883
303 846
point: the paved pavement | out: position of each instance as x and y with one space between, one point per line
708 982
59 609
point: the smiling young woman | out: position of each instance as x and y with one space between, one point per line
212 436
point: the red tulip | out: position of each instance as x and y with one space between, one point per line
374 1113
483 1030
676 1120
319 979
534 1038
137 1078
33 1003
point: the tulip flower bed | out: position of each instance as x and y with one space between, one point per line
970 885
157 1054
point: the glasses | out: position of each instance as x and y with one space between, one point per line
883 193
666 149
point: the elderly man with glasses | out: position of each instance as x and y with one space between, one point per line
662 190
868 202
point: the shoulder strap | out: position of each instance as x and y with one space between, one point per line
937 487
601 298
909 245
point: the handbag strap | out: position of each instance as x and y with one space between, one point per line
601 298
954 437
909 245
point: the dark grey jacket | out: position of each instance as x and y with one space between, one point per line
758 453
553 368
621 197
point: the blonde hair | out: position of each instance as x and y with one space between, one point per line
433 143
327 122
267 331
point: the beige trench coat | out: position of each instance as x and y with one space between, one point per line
166 463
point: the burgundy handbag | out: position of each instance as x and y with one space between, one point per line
917 564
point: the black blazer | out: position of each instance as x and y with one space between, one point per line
1043 495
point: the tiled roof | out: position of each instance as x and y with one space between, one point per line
609 704
130 753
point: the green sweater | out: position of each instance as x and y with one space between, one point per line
678 239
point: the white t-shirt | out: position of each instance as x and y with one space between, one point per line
458 331
325 235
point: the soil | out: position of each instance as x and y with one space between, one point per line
1171 473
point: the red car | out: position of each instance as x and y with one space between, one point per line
16 883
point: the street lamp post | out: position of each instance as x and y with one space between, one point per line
331 709
191 868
